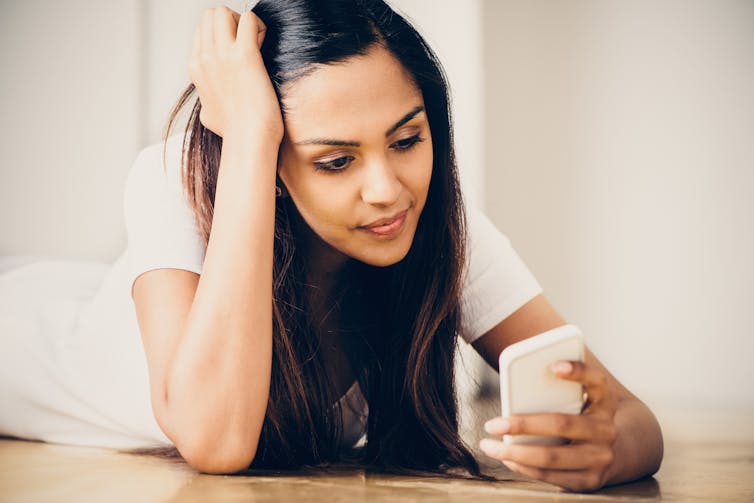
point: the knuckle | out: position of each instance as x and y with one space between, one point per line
589 482
550 457
224 57
253 17
205 58
535 472
228 12
563 422
517 424
578 368
601 379
593 481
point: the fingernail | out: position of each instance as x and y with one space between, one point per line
561 367
487 445
497 426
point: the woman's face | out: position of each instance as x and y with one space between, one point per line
357 149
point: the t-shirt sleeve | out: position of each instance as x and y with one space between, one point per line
496 282
160 224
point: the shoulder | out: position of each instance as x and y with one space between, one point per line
485 243
161 225
148 170
496 280
481 229
155 202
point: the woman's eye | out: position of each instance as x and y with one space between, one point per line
341 163
407 143
338 164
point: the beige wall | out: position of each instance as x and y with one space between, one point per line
72 117
620 160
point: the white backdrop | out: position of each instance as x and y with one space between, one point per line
613 141
620 160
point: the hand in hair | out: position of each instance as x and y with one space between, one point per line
228 71
585 464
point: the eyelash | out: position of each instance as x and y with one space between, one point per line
408 144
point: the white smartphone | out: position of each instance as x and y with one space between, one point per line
528 386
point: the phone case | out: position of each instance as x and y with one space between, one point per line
528 386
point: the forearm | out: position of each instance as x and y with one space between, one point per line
639 445
217 388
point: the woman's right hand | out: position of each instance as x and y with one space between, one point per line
228 72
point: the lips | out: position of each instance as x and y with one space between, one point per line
385 221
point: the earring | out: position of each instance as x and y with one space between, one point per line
278 191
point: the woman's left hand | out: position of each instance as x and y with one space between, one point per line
582 464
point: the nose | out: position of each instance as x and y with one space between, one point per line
380 186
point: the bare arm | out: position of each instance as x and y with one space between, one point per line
209 339
215 394
635 447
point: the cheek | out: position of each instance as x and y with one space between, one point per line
325 208
424 173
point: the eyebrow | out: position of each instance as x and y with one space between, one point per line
346 143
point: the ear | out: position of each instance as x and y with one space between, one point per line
280 162
279 183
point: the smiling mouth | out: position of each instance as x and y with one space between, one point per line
389 227
385 221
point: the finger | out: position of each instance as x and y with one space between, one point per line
571 457
224 27
250 29
594 381
206 38
574 480
572 426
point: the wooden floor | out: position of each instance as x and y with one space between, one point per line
39 472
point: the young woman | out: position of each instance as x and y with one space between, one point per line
300 271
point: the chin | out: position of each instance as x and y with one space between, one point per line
383 262
385 257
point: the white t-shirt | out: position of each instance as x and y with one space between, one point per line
76 370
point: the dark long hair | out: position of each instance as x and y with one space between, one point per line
403 347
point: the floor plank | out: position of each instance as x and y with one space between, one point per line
40 472
33 472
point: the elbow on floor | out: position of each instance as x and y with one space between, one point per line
218 460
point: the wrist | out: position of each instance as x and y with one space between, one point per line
253 134
638 448
262 146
